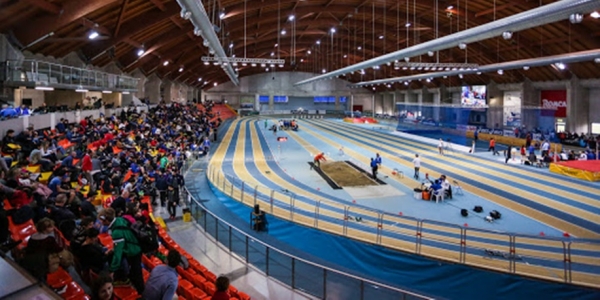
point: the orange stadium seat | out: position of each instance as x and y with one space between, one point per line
125 292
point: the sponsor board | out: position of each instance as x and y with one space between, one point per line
508 132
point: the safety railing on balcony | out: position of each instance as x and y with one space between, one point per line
33 73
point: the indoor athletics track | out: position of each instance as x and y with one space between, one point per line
249 165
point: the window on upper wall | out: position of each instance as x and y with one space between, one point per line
280 99
263 99
595 128
324 99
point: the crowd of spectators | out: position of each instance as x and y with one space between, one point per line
147 147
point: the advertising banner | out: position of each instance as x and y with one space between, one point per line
551 100
512 108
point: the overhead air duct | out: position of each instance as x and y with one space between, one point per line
546 14
588 55
195 12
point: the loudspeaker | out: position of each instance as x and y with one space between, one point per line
495 214
478 209
464 212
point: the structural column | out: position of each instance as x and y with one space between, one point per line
578 106
152 88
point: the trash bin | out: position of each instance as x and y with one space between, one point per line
187 215
418 193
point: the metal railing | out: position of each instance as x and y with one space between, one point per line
565 260
36 72
299 274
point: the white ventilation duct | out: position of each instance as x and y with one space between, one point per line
546 14
588 55
194 10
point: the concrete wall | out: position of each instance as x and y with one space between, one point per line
282 83
594 100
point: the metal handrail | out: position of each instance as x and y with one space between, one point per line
53 74
293 257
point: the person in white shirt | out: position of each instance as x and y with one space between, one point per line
582 156
441 146
446 186
545 148
417 163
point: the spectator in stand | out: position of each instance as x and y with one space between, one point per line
46 250
126 246
163 281
86 168
92 256
8 112
61 125
23 110
102 288
222 285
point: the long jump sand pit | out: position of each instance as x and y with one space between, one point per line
345 175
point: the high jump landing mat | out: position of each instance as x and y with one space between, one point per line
583 169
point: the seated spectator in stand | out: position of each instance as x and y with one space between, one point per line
63 216
79 234
120 203
36 158
23 110
91 255
126 246
102 288
46 250
25 140
222 285
582 156
8 112
61 126
163 281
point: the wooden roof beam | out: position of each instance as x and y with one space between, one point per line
158 4
47 6
72 10
133 27
121 16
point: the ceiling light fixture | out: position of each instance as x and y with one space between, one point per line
283 32
308 52
324 71
359 48
44 88
332 30
560 66
507 35
82 90
222 15
140 52
595 15
500 72
166 63
215 84
318 42
525 68
430 53
381 37
407 25
106 92
230 45
125 92
597 60
576 18
450 7
462 46
276 45
291 18
180 69
200 79
93 34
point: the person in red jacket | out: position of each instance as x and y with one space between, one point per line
317 160
86 168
